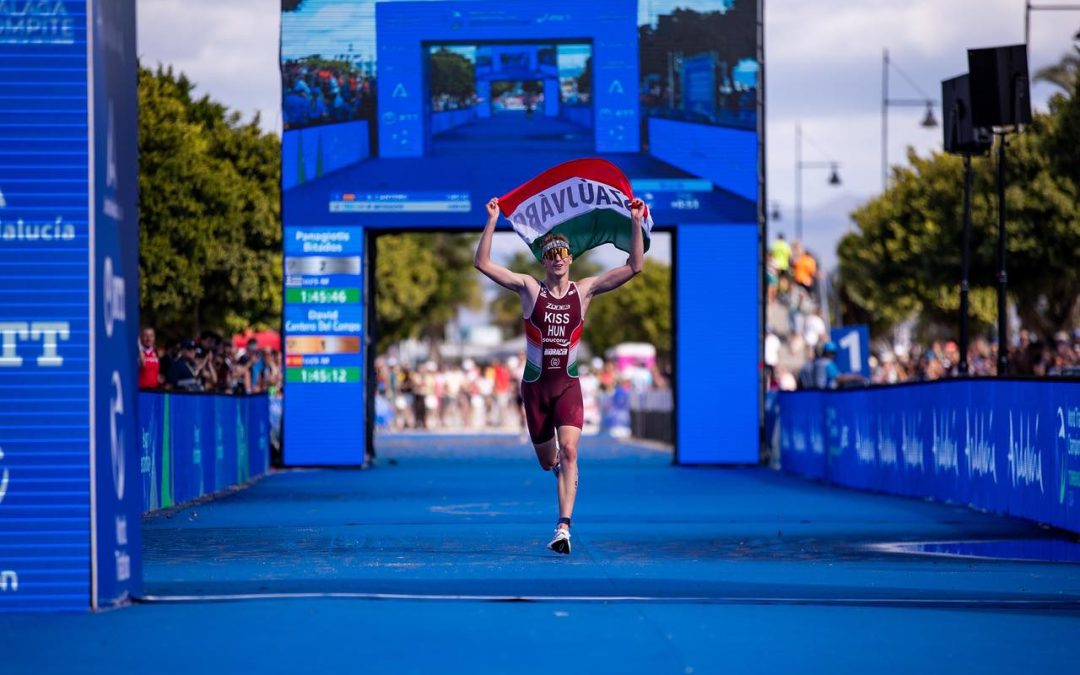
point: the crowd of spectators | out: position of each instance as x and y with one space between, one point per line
799 354
321 94
1029 357
796 330
209 364
444 102
471 395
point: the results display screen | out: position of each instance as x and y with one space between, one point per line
404 114
324 330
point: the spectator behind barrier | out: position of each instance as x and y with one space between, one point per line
822 372
149 360
185 373
318 92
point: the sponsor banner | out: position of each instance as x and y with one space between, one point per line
45 309
196 444
802 435
1011 447
114 231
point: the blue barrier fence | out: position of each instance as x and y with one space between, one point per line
726 156
316 151
196 444
1012 447
579 114
447 120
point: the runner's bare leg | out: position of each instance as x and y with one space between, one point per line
547 453
567 478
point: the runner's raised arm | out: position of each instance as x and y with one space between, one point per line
507 279
613 278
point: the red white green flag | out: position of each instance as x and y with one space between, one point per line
585 200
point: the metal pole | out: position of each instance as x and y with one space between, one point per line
884 119
798 182
1003 279
1027 22
965 266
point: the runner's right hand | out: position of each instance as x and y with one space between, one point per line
493 207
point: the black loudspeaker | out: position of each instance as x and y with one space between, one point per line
1000 89
961 136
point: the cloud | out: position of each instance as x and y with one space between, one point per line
823 68
230 50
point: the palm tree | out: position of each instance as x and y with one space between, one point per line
1065 73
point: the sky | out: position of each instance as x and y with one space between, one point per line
823 70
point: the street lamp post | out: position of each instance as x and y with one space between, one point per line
834 177
1029 8
929 121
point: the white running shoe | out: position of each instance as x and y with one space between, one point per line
561 542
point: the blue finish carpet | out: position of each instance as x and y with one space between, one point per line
434 561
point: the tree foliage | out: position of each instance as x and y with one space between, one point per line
209 225
731 34
905 258
639 311
1064 74
452 74
420 281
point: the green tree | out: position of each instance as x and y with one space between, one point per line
905 257
730 34
420 281
584 80
209 222
452 74
639 311
1064 74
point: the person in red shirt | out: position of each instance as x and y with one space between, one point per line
149 366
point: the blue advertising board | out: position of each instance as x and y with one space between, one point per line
1011 447
44 310
69 254
197 444
425 110
114 231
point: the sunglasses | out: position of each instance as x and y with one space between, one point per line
556 253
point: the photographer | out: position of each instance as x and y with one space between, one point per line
193 370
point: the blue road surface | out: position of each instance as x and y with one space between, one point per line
434 562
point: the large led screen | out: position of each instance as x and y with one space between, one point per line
410 115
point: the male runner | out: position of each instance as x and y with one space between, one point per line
554 314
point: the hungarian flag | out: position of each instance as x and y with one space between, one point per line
585 200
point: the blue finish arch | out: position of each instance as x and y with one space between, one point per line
402 29
408 162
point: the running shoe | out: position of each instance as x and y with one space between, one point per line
561 542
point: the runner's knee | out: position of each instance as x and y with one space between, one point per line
548 457
568 453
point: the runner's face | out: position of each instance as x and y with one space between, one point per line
557 264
